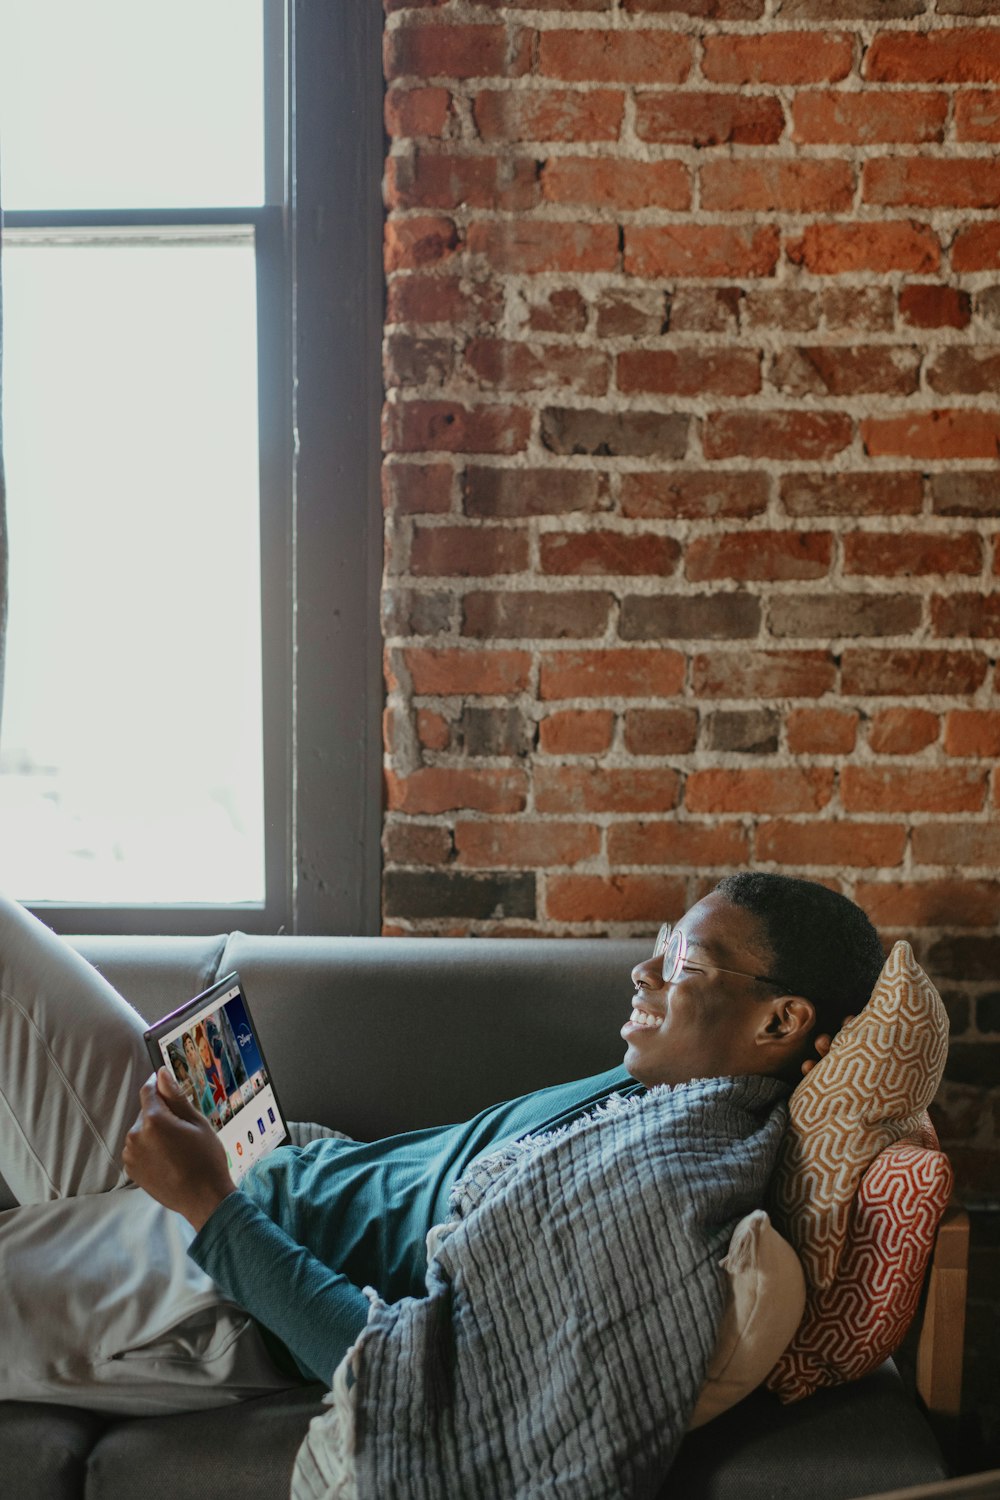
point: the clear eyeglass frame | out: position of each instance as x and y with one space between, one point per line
671 944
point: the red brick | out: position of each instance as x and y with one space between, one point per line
892 245
909 789
844 613
533 492
437 789
965 494
715 10
532 846
467 551
963 844
972 731
795 57
930 903
611 674
412 489
903 731
790 789
672 842
841 370
510 365
888 554
867 117
939 434
550 309
776 434
421 241
577 731
693 494
660 731
549 114
616 433
818 842
718 615
595 789
977 248
703 250
632 314
616 184
433 729
614 898
763 674
925 305
952 55
446 671
869 672
600 55
690 372
534 245
416 360
966 614
524 613
759 555
977 115
965 371
441 299
447 427
821 731
703 119
913 182
417 111
451 51
852 494
761 186
443 179
705 309
416 843
606 553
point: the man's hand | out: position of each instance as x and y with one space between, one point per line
173 1153
822 1044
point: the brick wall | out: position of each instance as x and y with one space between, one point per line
692 504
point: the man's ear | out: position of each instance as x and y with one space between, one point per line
789 1020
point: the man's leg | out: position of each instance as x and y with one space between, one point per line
103 1308
72 1060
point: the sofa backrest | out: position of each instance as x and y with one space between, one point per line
377 1035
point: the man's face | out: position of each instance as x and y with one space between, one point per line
704 1024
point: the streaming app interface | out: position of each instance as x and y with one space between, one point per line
217 1064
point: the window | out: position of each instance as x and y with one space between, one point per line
190 738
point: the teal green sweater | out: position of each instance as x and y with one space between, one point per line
315 1224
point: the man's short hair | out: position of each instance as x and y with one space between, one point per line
823 946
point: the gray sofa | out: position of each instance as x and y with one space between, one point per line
377 1035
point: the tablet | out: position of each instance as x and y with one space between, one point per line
211 1047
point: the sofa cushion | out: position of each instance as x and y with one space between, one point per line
245 1450
856 1439
45 1450
765 1300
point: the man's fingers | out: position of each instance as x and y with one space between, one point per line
174 1100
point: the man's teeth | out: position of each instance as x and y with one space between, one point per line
643 1018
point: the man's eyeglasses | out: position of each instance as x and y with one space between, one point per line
672 944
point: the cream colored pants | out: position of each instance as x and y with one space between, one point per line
100 1305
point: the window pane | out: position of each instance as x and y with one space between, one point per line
122 105
131 765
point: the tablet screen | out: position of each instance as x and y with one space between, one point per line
212 1050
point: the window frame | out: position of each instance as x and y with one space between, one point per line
320 297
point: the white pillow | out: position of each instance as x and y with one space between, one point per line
765 1301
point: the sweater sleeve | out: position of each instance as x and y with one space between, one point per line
317 1313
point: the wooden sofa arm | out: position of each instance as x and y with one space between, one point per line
939 1350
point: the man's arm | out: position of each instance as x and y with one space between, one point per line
173 1153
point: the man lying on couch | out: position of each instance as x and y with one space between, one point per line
566 1322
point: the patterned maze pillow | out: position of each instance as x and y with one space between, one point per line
870 1090
863 1228
852 1326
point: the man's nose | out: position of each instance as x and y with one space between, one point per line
649 974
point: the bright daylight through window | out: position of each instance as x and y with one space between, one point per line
131 765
